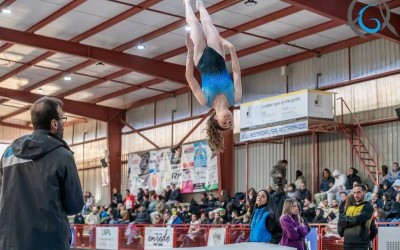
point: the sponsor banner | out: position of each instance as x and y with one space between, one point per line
138 181
199 179
187 160
273 131
200 154
187 181
107 238
285 108
216 237
158 238
176 159
212 175
134 164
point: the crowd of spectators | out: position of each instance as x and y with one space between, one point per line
147 207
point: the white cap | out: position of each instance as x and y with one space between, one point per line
335 173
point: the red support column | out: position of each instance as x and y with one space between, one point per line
114 135
225 164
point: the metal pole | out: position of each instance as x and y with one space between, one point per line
313 165
247 173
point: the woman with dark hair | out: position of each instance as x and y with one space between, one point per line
299 179
264 225
327 182
206 51
352 177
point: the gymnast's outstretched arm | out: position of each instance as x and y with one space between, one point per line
193 83
237 76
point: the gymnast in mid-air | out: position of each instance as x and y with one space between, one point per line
206 51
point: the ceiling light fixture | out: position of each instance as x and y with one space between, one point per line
250 2
100 64
67 78
141 47
187 28
6 11
40 91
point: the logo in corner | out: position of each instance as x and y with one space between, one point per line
385 14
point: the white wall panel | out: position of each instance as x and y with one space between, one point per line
141 117
91 181
334 67
262 85
374 57
303 74
8 134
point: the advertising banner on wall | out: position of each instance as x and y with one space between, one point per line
158 238
286 108
191 169
107 238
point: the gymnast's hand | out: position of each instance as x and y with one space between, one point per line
189 43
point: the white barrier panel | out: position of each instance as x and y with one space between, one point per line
242 246
107 238
216 237
389 238
273 131
285 108
158 238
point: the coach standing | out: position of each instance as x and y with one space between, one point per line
39 184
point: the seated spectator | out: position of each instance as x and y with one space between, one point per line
116 198
111 220
343 198
352 176
89 202
341 189
385 188
210 217
394 173
217 219
167 193
203 219
308 210
279 197
153 204
394 213
302 193
334 208
235 218
175 196
387 202
331 229
129 201
394 189
193 233
251 199
203 198
240 207
326 183
158 220
194 207
369 192
211 204
145 202
319 216
142 216
125 215
299 179
375 200
140 195
103 214
270 190
324 207
291 191
340 180
184 214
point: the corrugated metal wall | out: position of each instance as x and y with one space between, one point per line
91 181
8 134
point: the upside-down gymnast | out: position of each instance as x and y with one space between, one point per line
206 50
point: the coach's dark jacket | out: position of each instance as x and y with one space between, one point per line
39 187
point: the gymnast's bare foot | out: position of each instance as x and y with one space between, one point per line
199 3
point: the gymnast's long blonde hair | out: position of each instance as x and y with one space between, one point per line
214 137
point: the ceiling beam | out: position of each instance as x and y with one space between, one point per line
170 27
163 70
238 29
79 108
6 3
13 125
337 10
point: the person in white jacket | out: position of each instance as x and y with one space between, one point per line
340 180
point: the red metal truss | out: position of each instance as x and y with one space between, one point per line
163 70
170 27
79 108
6 3
337 10
238 29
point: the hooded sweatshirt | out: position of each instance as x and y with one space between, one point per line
39 187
